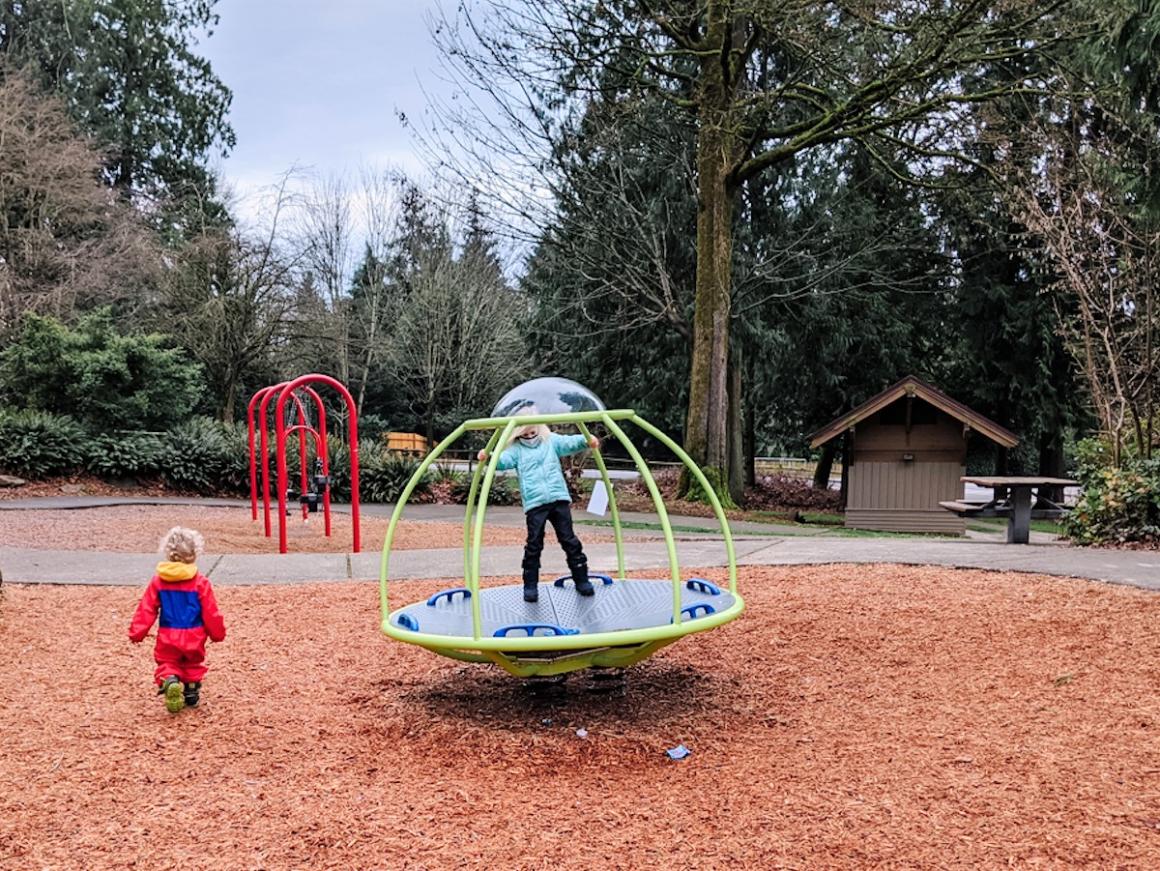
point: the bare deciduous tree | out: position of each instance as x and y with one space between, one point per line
325 233
457 344
760 82
230 297
1105 259
65 240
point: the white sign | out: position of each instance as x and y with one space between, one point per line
598 503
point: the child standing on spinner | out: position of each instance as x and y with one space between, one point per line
189 614
535 454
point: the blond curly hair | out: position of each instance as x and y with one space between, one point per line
181 545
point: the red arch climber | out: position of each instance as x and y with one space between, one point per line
288 391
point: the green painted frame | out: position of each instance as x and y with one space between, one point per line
606 648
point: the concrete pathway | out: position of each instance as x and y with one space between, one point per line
25 565
1138 568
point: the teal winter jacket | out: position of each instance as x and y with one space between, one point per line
541 478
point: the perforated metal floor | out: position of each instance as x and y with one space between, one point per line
616 606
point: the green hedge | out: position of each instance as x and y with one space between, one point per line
383 476
1118 504
38 444
207 457
136 455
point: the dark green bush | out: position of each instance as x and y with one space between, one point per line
504 490
123 456
372 428
207 457
385 476
1118 503
36 444
106 380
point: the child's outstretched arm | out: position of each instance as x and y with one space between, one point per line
211 617
507 460
145 615
567 445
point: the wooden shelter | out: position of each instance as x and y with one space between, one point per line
906 451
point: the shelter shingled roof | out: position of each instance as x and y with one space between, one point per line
911 386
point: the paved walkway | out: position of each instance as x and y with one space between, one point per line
26 565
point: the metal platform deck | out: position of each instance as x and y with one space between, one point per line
616 606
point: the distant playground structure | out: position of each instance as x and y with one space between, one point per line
314 477
626 620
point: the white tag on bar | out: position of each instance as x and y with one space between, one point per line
598 503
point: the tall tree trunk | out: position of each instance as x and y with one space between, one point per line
717 150
825 465
229 401
735 428
1051 463
749 443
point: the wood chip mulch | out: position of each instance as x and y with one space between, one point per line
138 529
855 716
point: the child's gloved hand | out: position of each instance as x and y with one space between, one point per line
593 442
482 456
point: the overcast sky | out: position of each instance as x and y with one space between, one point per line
317 84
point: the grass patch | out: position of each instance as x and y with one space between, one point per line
656 527
791 530
999 524
822 519
843 532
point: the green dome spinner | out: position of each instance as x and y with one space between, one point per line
627 620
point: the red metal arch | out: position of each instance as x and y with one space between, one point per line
286 392
262 399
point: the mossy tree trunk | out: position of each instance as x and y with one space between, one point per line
720 148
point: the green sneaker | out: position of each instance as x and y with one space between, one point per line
172 689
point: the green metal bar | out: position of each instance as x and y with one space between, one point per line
662 514
551 419
611 503
469 510
398 512
703 481
472 581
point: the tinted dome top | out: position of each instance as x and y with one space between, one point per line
547 396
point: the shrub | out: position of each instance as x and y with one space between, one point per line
504 491
444 484
384 478
372 428
1118 504
36 444
207 457
123 456
106 380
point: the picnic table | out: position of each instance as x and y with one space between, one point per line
1016 506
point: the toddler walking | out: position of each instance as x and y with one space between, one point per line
189 614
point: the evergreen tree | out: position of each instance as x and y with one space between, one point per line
131 76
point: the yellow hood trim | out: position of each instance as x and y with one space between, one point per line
168 571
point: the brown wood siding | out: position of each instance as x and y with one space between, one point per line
939 441
901 486
904 496
907 521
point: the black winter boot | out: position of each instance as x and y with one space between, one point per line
192 694
579 569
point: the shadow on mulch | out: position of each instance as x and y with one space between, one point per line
657 692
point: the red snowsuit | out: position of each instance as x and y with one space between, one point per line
189 613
